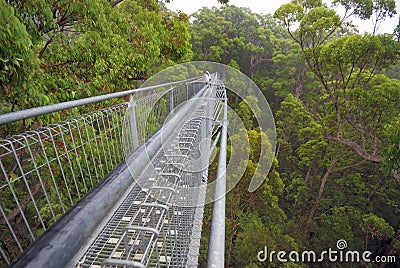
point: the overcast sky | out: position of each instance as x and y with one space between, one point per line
269 7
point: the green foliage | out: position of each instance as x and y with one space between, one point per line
345 66
17 60
289 14
316 26
376 227
64 50
336 160
363 9
392 152
348 55
246 114
232 33
254 219
350 190
257 232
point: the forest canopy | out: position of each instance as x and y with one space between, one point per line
56 51
335 97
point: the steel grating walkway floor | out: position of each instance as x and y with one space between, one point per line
155 226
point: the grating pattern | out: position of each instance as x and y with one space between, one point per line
156 225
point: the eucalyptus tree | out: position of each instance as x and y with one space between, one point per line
232 33
341 136
62 50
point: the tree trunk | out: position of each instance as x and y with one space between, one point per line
24 203
319 196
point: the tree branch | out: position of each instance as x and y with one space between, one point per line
55 64
116 2
48 42
356 147
319 196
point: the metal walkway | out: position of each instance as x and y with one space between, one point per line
129 181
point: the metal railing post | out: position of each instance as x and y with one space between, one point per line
132 118
171 101
216 246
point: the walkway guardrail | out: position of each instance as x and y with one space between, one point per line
45 172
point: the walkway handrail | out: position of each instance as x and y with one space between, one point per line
63 240
28 113
216 246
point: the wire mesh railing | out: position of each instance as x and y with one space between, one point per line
159 222
154 224
44 172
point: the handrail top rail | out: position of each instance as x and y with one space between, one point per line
32 112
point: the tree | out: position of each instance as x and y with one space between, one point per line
392 153
62 50
342 66
328 186
336 135
211 43
232 33
250 214
378 10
